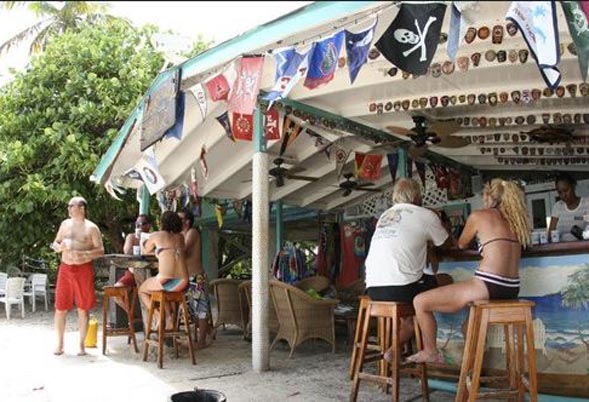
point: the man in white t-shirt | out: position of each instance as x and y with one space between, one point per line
398 250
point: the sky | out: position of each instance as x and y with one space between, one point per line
213 20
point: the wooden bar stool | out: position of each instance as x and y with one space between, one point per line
389 315
122 292
374 348
179 310
515 316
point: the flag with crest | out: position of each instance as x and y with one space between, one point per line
291 66
201 98
218 88
357 47
367 166
577 16
243 126
323 60
537 22
290 131
148 168
246 86
341 157
272 129
411 40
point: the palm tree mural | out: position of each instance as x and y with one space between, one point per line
576 295
55 19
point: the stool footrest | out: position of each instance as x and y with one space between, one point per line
118 332
376 378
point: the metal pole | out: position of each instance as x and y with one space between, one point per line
260 225
278 225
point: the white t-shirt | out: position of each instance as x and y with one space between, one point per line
568 218
398 249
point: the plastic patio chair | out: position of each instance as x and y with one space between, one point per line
3 278
37 286
14 295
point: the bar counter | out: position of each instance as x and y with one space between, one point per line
556 277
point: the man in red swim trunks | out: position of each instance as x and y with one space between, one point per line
79 241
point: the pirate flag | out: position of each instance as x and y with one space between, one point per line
290 131
411 40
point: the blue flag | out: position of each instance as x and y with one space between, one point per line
323 60
454 32
291 66
357 47
176 130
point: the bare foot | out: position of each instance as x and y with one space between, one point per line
423 357
58 352
388 355
82 353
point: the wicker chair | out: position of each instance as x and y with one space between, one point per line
245 298
301 316
319 283
228 308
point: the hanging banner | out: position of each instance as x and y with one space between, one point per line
577 16
291 66
243 126
411 40
393 160
290 131
323 60
110 188
272 129
223 120
341 157
149 170
219 213
201 98
357 47
246 86
367 166
537 22
204 169
455 33
218 88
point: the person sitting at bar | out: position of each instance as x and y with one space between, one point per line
168 244
502 228
570 210
398 250
131 246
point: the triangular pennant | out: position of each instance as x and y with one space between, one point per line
341 156
357 47
290 131
246 86
393 160
323 60
291 66
537 22
577 16
411 40
218 88
204 169
201 98
243 126
219 213
272 128
223 120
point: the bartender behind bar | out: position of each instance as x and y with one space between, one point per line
569 214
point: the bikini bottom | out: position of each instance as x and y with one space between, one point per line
499 287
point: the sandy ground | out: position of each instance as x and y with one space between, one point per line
29 372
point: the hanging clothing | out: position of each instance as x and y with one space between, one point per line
289 265
355 241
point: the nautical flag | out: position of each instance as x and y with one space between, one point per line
291 66
458 25
204 169
218 88
323 60
246 86
176 130
223 120
411 40
393 160
577 16
341 156
201 98
367 166
290 131
149 170
243 126
357 47
536 21
133 173
272 129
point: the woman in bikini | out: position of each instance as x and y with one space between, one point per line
502 228
168 245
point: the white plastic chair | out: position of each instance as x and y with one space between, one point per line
37 286
14 295
3 278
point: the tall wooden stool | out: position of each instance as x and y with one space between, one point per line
389 315
374 348
179 310
515 316
123 293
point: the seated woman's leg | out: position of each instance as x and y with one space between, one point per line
445 299
147 287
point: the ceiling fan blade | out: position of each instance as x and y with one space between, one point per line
296 169
372 190
452 142
444 128
400 130
296 177
417 151
360 185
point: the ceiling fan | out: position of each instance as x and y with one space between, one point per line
280 173
428 132
551 134
350 185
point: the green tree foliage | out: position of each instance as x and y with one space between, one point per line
56 121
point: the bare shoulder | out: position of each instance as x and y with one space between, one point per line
91 225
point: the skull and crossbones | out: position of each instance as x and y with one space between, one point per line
406 36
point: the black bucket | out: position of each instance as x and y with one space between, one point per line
199 395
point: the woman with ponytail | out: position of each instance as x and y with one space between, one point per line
502 228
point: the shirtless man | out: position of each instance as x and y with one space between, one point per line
79 241
198 283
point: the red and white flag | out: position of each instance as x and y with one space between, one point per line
272 125
367 166
218 88
201 98
243 126
246 86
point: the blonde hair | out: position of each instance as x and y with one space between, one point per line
406 191
508 198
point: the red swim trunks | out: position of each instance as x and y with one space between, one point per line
127 280
75 283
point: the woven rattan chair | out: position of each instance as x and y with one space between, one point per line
318 282
301 316
245 297
228 308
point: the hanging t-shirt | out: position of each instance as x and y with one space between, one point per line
398 248
354 238
568 218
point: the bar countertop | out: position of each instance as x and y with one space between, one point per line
561 248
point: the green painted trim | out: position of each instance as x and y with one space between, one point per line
259 138
279 224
